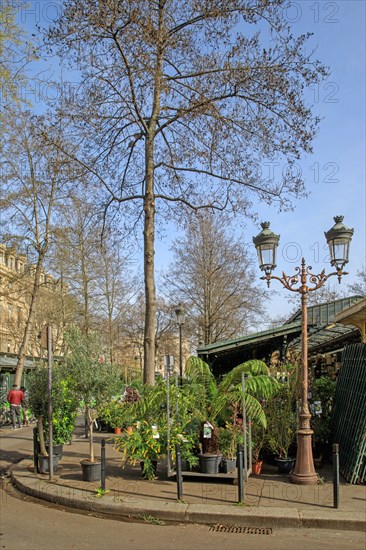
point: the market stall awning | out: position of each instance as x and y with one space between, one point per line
325 335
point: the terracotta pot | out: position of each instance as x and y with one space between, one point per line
117 431
129 430
257 467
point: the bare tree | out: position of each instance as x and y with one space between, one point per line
212 274
115 286
77 256
359 286
181 102
16 51
35 180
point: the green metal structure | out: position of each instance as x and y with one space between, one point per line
349 414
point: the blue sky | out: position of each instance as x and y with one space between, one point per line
335 172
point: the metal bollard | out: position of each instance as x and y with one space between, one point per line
335 475
240 474
178 466
102 467
35 450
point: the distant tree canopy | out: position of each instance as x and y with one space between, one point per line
212 273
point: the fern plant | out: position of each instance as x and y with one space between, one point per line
213 401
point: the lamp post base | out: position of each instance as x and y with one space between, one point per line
304 471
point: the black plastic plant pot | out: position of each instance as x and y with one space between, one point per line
92 471
43 463
209 463
57 450
285 465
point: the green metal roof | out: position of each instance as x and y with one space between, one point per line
256 337
324 314
324 335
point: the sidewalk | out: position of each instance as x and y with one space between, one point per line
271 500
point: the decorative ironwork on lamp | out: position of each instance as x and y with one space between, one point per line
303 281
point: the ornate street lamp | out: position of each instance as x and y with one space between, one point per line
181 317
338 239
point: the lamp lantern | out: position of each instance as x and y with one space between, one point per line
181 314
339 238
266 243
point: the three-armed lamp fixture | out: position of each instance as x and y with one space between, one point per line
266 243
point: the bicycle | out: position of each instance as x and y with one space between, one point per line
5 415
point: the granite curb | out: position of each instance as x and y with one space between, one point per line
29 483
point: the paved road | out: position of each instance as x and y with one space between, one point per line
31 525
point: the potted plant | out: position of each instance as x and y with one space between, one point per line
230 437
282 424
63 411
93 383
188 446
257 435
213 401
142 446
113 414
321 409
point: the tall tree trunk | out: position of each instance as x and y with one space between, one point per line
42 445
149 221
30 321
150 291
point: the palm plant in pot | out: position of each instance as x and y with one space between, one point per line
93 383
214 401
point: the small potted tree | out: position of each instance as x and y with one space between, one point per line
281 426
93 383
113 414
229 438
63 411
257 433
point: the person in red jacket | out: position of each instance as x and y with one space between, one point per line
15 398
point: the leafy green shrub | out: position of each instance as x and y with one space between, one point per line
321 423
